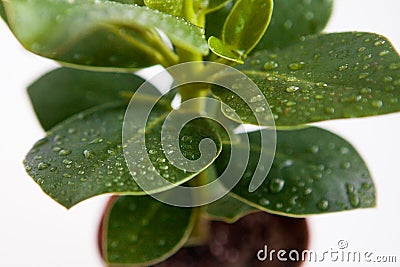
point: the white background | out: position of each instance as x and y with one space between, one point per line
35 231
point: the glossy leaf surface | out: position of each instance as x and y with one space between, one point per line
314 171
141 231
323 77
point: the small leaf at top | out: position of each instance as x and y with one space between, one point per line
203 7
224 51
128 30
292 19
82 157
141 231
173 7
246 24
130 2
63 92
314 171
323 77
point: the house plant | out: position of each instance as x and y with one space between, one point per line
341 54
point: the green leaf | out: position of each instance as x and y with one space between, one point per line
129 31
130 2
3 12
203 7
141 231
64 92
83 156
323 77
215 20
173 7
246 24
295 18
228 209
314 171
224 51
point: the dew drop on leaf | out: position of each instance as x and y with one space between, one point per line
276 185
323 205
42 166
270 65
297 65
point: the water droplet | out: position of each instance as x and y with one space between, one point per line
42 166
64 152
314 149
362 49
67 175
321 84
88 154
292 89
67 161
309 15
297 65
319 97
363 75
377 103
71 130
384 53
365 90
344 150
368 57
163 167
276 185
56 149
161 242
260 109
290 103
133 238
270 65
323 205
152 152
394 66
330 110
288 24
264 202
97 140
346 165
256 98
380 42
307 191
343 67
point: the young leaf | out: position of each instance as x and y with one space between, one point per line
64 92
295 18
314 171
173 7
224 51
141 231
211 6
215 20
130 2
83 156
323 77
129 31
246 24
